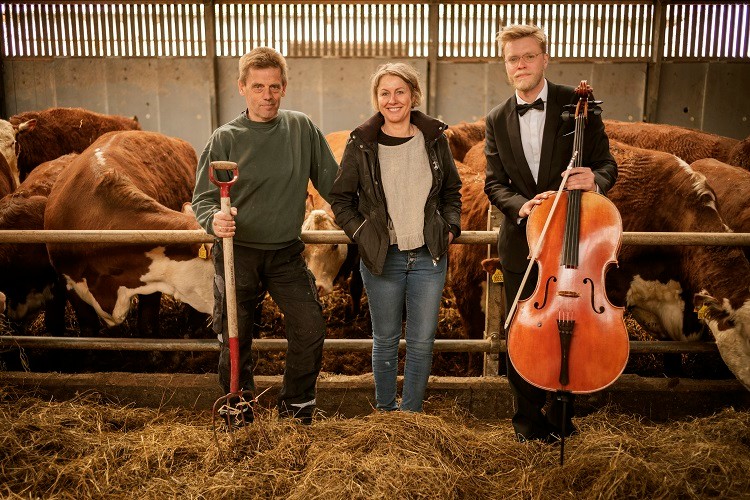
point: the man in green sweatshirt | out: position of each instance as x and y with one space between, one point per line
277 152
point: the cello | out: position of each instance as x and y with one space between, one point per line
567 337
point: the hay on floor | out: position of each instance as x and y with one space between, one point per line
89 448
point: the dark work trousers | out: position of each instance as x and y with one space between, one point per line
285 275
528 421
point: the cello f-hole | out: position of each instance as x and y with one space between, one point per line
600 310
546 293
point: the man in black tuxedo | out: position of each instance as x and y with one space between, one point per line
528 148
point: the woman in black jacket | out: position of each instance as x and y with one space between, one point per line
397 195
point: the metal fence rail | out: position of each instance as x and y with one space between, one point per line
492 345
137 236
488 346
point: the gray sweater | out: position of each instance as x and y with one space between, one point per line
405 171
276 159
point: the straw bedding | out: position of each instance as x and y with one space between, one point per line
90 448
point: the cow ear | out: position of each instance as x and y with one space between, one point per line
309 203
27 126
187 208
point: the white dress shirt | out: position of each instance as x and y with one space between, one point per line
532 129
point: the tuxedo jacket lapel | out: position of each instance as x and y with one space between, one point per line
514 134
552 122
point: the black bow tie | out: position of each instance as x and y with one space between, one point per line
523 108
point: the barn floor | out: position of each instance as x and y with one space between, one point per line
89 448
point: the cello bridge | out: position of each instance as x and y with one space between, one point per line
568 294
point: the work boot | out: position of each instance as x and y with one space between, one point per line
303 414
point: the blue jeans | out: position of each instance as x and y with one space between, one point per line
412 278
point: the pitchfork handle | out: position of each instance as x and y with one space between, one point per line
230 294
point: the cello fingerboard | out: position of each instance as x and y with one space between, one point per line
569 257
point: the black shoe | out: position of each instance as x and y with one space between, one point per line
302 415
544 438
237 413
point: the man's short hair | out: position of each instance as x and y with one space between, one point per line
261 58
514 32
402 70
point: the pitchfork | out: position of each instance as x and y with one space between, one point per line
230 406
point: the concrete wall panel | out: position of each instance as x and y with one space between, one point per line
183 100
133 90
80 83
29 85
681 94
726 109
622 87
231 102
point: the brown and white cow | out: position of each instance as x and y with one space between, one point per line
686 143
60 131
332 263
657 191
129 180
732 188
27 279
9 136
323 260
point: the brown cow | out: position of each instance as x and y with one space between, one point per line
61 131
7 181
465 278
9 135
688 144
27 278
129 180
337 142
732 188
463 136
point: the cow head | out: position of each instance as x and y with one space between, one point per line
9 144
188 277
731 329
324 260
658 308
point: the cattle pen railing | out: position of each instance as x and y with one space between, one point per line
491 345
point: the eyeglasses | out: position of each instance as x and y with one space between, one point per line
527 58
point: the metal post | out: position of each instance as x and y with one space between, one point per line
213 74
493 304
432 57
653 68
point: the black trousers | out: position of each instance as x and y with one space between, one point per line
529 421
284 274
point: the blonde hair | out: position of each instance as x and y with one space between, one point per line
261 58
514 32
402 70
